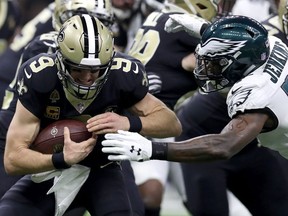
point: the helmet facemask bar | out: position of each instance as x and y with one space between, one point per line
209 73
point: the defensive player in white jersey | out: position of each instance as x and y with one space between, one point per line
235 52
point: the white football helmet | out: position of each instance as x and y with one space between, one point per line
64 9
86 44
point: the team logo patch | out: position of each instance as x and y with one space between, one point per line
54 96
52 112
21 88
239 96
220 47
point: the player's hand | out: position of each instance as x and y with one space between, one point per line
75 152
190 23
126 145
108 122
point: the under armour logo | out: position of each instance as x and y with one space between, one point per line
133 149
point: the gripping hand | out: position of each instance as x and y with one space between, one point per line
192 24
126 145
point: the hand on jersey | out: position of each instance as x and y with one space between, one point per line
108 122
126 145
190 23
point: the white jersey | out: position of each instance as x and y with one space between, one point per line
266 90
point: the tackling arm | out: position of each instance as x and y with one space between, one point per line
235 136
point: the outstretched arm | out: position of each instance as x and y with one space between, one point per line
235 136
192 24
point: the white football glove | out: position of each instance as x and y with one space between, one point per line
190 23
126 145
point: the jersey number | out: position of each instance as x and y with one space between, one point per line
145 44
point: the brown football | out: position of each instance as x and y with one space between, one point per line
51 139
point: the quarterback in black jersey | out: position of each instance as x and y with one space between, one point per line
86 79
44 43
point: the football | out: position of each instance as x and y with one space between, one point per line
51 139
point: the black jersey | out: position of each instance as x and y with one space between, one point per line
42 93
162 53
9 59
44 43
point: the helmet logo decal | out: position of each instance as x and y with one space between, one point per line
220 47
61 35
239 97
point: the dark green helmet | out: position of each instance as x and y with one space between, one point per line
230 48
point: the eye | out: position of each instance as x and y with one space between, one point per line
76 70
95 71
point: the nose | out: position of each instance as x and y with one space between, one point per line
86 77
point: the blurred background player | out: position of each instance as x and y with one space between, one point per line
169 61
41 23
10 15
129 17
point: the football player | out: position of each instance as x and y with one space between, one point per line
169 62
206 114
86 78
9 22
46 43
254 72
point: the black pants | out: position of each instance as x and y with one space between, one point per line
104 193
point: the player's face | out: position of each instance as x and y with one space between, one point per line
84 77
123 4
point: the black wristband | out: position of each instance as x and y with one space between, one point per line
159 150
59 162
135 123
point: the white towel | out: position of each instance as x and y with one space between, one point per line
67 183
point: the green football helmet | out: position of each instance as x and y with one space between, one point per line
230 48
64 9
84 44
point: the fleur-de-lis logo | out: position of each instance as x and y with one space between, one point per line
21 88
